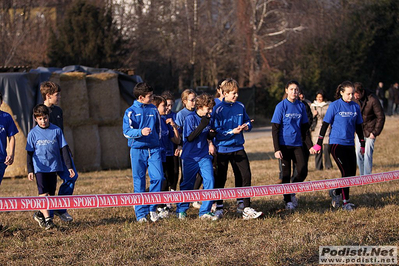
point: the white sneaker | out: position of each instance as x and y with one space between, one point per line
348 206
290 206
335 199
64 216
240 207
219 213
250 213
197 204
294 200
142 220
209 216
154 216
164 212
182 215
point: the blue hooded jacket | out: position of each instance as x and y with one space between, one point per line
137 117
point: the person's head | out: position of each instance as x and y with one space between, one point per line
395 85
41 114
143 92
160 103
230 90
51 92
219 91
380 84
188 99
320 96
170 101
301 95
204 104
292 90
359 90
345 90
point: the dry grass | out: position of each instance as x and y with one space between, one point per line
112 237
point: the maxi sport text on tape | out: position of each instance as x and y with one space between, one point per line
131 199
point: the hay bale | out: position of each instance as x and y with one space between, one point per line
87 148
18 168
104 99
123 106
68 134
114 150
74 98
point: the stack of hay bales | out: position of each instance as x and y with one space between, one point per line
18 168
104 104
93 120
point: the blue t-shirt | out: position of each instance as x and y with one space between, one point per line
7 129
290 116
181 117
46 144
198 148
343 118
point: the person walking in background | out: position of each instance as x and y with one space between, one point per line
345 118
373 123
380 93
142 128
289 130
44 159
319 107
51 93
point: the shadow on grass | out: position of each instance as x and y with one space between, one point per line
260 156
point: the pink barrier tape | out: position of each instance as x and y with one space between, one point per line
132 199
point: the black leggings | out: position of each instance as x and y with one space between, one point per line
345 157
240 163
298 156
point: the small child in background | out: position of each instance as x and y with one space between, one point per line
142 128
51 94
169 136
7 130
44 158
195 155
171 158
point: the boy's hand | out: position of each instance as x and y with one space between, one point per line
30 176
178 151
71 173
237 130
170 121
278 155
146 131
9 160
212 149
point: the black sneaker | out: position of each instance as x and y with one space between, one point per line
49 224
38 216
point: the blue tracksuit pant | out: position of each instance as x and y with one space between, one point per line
190 169
141 160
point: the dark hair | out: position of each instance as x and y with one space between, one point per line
168 95
40 110
341 87
204 100
359 87
48 87
1 97
158 100
322 93
291 82
142 89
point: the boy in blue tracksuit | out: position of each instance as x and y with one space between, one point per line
142 128
230 120
195 155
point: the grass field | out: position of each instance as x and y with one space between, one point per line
113 237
